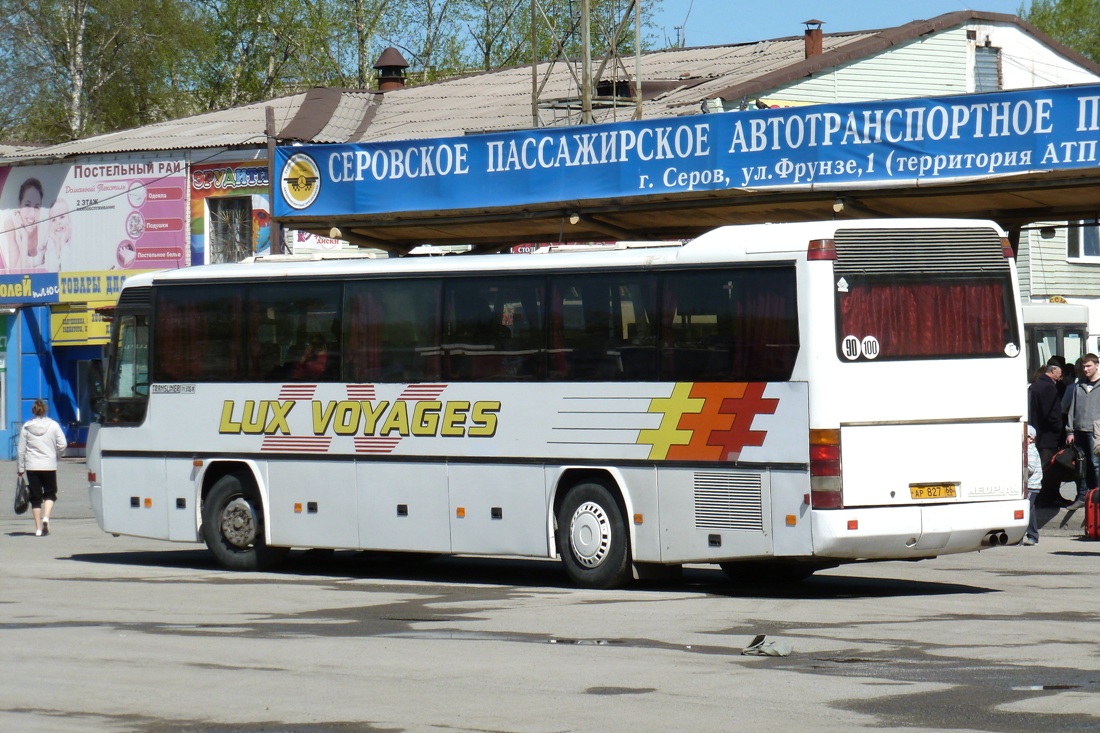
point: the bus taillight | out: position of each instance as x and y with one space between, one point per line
821 249
1006 249
826 488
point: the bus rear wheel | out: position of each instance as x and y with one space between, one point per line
232 526
592 538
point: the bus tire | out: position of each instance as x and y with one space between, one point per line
592 537
233 526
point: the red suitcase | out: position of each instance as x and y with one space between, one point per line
1092 514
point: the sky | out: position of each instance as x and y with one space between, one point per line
715 22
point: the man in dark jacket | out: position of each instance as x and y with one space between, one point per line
1044 413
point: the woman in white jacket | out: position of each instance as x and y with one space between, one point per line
41 443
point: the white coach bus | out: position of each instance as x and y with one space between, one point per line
775 399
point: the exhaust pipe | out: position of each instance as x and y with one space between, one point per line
995 538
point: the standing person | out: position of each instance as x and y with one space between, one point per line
1084 410
41 443
1070 379
1044 413
1034 486
1060 361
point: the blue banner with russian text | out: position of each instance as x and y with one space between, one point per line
837 146
29 288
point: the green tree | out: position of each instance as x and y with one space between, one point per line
74 68
250 50
1075 23
498 32
81 67
429 35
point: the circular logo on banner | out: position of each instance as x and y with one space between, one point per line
300 181
136 194
135 225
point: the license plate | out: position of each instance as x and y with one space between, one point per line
937 491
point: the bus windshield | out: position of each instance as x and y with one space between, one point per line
128 380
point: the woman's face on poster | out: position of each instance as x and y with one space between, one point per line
30 206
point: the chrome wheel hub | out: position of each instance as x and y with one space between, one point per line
590 534
239 523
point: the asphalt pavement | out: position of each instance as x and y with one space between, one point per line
126 635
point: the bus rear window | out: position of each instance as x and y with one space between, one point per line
907 317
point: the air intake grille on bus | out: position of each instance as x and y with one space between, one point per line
728 501
869 251
136 298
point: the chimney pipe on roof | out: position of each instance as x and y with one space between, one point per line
813 37
391 67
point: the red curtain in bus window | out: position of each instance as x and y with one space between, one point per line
179 351
766 323
363 350
238 341
927 319
558 359
200 338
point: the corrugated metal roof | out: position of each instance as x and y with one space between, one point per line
501 100
6 150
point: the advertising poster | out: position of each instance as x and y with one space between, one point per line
78 326
126 214
303 242
76 319
36 288
247 185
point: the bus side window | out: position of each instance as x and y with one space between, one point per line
391 331
730 325
600 327
283 326
200 335
488 335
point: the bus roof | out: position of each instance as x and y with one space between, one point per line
725 244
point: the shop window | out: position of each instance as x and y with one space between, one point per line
230 229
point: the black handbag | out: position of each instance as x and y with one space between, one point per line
1065 463
1079 474
22 496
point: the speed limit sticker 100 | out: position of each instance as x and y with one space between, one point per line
853 347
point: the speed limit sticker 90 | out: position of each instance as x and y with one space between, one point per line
853 347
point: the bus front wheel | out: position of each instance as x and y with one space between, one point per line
232 526
592 537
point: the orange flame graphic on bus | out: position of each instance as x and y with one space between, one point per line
707 421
